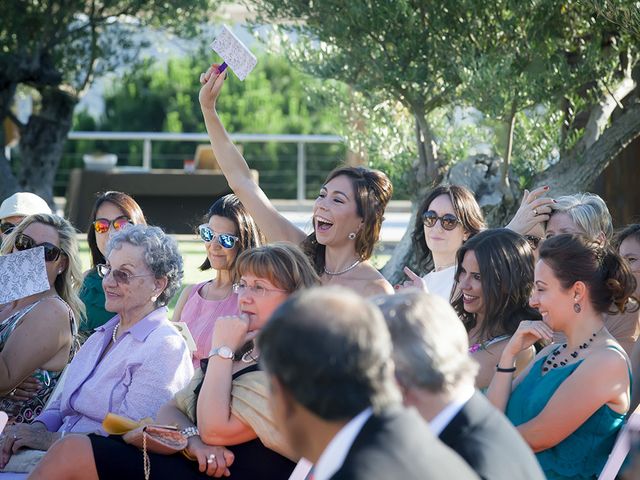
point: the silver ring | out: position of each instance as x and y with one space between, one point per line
535 211
211 458
12 392
15 437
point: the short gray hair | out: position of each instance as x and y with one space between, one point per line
430 344
588 211
161 255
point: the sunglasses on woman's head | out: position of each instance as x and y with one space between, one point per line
225 240
6 228
25 242
448 220
118 275
102 225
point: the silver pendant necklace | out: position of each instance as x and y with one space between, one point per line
340 272
248 358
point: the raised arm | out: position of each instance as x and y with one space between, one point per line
218 426
528 333
271 222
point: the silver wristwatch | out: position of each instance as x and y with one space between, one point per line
189 432
222 352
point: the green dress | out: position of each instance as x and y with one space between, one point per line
582 454
92 295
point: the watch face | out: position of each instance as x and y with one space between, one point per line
225 352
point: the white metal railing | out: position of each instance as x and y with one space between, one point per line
148 137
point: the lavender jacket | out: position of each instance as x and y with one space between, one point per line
141 372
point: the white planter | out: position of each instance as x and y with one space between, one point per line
105 161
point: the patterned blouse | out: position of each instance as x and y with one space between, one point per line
27 411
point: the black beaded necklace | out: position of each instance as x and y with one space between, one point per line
552 361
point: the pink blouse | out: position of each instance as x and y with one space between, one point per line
200 315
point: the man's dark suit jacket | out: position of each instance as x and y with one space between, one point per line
398 445
488 441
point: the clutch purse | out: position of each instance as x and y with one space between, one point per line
163 439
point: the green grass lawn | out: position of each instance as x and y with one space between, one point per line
193 255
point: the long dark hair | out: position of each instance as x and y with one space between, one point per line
231 208
466 209
607 276
125 203
373 190
506 266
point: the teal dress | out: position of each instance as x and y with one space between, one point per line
92 295
582 454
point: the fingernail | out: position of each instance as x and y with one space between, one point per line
555 201
546 187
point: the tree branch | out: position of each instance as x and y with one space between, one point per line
565 178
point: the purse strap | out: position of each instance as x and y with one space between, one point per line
145 456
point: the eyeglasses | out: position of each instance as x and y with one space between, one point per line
102 225
448 220
6 227
25 242
225 240
533 241
257 290
118 275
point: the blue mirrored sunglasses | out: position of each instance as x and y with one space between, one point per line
225 240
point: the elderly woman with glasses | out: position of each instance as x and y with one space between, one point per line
37 332
134 363
226 403
227 231
111 212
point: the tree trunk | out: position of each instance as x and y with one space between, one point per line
403 254
8 181
428 175
510 125
575 174
42 142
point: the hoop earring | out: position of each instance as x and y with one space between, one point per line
577 308
352 236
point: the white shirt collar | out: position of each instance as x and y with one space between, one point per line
444 417
336 451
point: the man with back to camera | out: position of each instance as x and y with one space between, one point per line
327 352
437 377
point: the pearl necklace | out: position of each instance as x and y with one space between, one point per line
340 272
115 332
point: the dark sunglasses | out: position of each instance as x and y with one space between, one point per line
102 225
533 241
6 227
25 242
118 275
448 220
225 240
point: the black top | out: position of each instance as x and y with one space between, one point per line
488 442
398 445
252 459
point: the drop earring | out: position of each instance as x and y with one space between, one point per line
352 236
577 308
